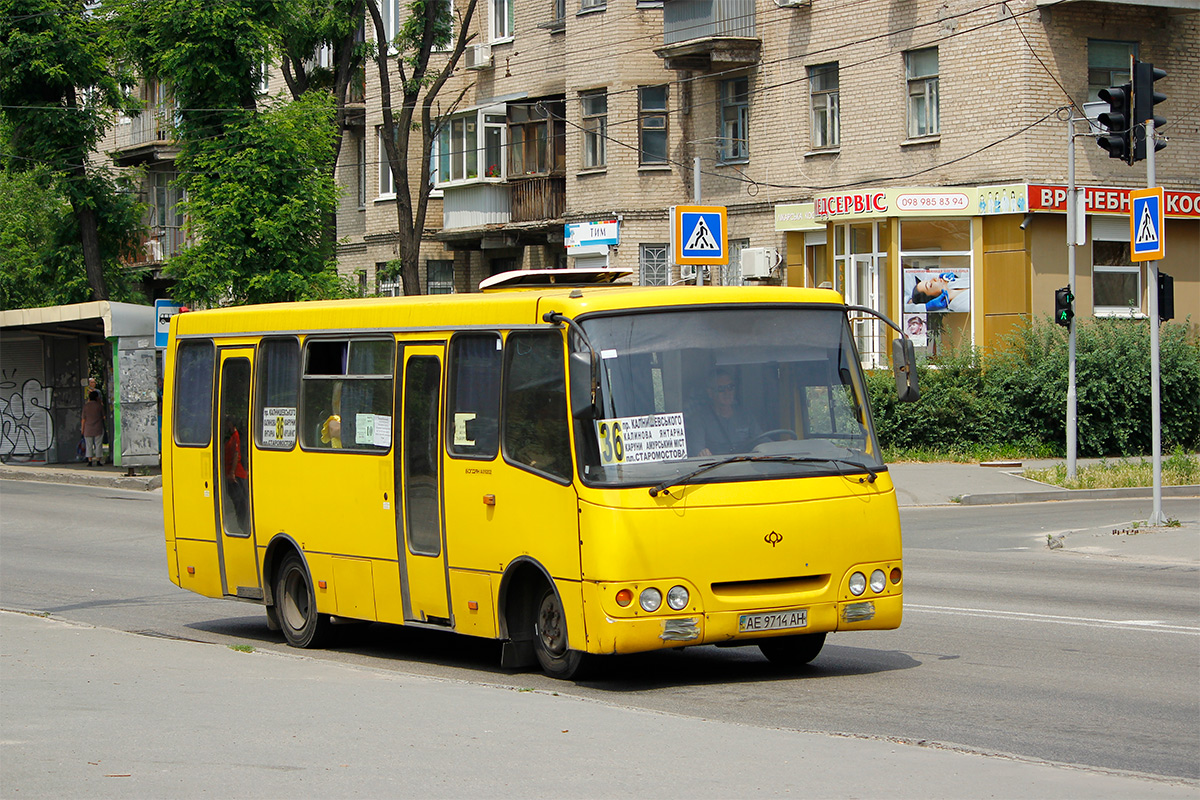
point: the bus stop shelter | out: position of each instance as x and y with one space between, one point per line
44 371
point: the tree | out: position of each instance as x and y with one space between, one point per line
61 89
257 199
254 169
309 26
428 26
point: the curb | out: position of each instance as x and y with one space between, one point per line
139 482
1137 492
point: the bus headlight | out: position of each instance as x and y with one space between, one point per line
677 598
858 584
878 581
650 599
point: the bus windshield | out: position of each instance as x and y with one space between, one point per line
767 391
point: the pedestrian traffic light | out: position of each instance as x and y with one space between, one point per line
1063 312
1166 297
1117 140
1144 101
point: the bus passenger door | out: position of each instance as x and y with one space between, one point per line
235 537
418 471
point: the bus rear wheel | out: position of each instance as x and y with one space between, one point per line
550 639
296 606
792 651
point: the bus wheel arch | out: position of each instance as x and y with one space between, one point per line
292 603
532 622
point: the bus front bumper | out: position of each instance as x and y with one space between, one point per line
659 631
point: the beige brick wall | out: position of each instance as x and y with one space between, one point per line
1001 69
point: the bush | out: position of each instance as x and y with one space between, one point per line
1015 396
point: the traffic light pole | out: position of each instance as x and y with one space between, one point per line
1072 236
1156 515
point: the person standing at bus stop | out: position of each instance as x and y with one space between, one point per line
92 428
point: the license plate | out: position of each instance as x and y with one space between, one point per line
773 620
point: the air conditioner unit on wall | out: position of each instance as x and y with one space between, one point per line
478 56
759 262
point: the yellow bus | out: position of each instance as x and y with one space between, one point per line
559 462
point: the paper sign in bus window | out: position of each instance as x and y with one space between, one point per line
373 429
279 426
641 440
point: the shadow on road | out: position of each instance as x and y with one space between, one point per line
389 646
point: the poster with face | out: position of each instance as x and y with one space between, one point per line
937 291
917 328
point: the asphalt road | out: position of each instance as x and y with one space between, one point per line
1006 647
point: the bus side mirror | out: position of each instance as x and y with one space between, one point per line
580 381
904 364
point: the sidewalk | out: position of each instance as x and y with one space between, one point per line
94 712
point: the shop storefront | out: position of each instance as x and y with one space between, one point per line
962 265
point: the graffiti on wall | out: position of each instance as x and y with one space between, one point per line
26 425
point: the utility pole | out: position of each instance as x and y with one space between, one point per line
696 195
1073 237
1156 514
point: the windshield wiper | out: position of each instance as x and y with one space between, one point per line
682 479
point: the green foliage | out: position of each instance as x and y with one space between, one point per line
41 257
62 88
258 195
1015 395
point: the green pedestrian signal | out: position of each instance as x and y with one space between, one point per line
1063 312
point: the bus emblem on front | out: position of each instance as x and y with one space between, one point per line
773 538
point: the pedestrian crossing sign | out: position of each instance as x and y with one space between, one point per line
1146 224
699 235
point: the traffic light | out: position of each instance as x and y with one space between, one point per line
1144 101
1166 297
1118 141
1063 312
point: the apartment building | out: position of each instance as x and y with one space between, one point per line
866 145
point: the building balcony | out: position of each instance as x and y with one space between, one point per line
538 198
156 244
490 203
146 138
703 35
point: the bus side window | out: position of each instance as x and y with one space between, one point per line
277 395
536 431
194 362
474 426
346 395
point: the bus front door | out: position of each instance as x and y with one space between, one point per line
419 487
235 535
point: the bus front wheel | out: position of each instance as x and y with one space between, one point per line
550 639
296 607
792 651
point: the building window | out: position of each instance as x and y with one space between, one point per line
735 120
1116 280
823 88
384 286
387 182
592 5
502 20
439 276
392 13
731 273
536 135
1108 65
445 42
460 153
655 269
559 10
361 170
595 128
278 393
652 124
921 70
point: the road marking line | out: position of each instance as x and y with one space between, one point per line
1090 622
